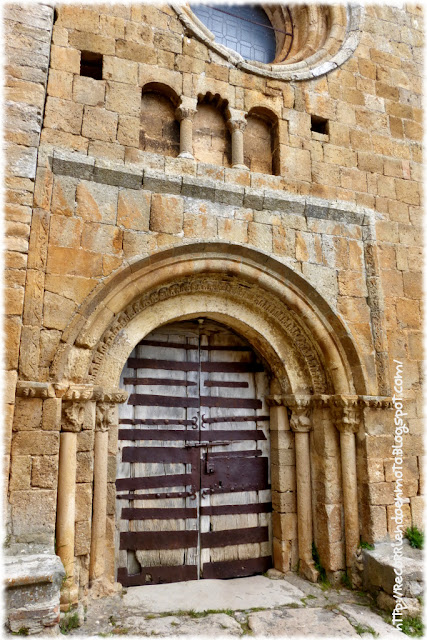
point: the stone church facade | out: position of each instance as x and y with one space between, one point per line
155 178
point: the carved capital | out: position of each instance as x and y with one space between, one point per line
187 109
235 124
347 413
236 119
104 416
301 407
73 415
275 400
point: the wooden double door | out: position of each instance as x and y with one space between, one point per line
193 488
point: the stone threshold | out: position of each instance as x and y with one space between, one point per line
136 176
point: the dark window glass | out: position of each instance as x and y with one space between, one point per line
243 28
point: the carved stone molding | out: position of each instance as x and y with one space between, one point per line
113 395
253 297
78 392
32 389
73 415
104 416
331 401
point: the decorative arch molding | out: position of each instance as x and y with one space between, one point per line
322 38
266 293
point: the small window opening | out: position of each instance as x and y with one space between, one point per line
319 125
91 65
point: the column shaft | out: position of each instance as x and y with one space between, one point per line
349 481
186 138
66 511
99 517
279 419
305 523
237 157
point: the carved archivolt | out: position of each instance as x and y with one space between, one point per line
252 296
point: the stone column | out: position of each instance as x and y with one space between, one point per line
99 515
347 414
72 421
237 123
185 114
301 425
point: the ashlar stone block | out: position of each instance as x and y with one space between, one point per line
166 214
133 210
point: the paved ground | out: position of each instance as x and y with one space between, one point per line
259 606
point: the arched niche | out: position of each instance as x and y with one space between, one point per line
211 137
159 132
261 141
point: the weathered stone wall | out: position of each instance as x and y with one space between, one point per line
344 211
28 32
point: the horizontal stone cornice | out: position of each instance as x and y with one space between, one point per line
70 392
139 176
293 401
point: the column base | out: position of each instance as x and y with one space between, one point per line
242 167
308 571
186 154
102 587
69 596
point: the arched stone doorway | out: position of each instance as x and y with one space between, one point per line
193 476
319 381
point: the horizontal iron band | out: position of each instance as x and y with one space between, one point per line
189 436
178 480
231 537
230 509
158 514
159 421
167 382
155 496
236 568
192 347
173 365
153 540
149 400
222 383
159 454
157 575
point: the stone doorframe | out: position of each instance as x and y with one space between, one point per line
318 380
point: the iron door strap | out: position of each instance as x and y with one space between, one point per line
207 444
